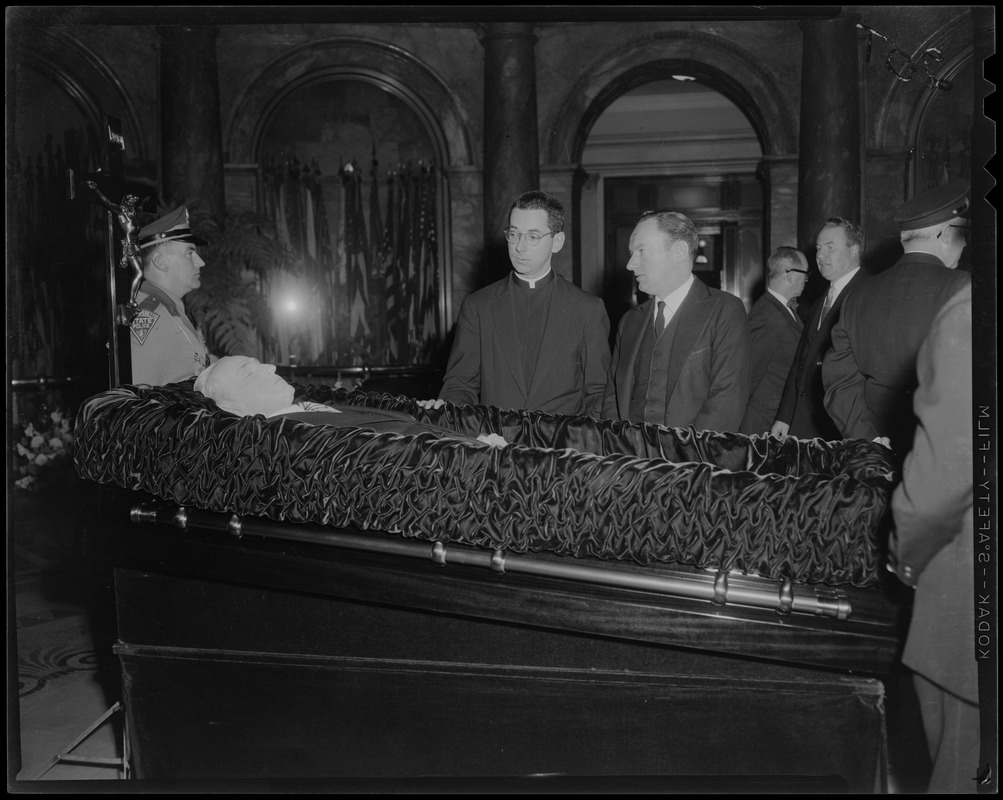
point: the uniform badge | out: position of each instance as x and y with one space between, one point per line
143 323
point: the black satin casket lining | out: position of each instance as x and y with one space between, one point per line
810 511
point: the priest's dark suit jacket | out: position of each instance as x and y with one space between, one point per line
803 403
485 368
775 335
708 375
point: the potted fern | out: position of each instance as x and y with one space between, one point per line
230 306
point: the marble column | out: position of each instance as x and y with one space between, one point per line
511 141
829 151
191 137
780 177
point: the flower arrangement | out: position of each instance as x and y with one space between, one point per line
43 445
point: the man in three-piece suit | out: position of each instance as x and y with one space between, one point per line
532 340
776 330
682 357
870 372
802 413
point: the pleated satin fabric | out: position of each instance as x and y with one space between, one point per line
805 510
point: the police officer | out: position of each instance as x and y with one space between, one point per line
870 372
166 347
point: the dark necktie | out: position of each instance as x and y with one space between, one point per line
660 319
827 304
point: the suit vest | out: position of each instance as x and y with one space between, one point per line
650 394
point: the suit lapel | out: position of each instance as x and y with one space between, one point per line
816 312
820 334
506 332
692 319
633 330
554 331
792 319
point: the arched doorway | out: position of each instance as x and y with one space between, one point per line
354 102
350 174
676 144
57 299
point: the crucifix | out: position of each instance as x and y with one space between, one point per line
124 274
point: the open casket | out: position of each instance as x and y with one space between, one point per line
596 599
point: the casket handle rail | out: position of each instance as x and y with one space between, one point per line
720 589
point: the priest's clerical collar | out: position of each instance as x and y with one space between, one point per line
535 283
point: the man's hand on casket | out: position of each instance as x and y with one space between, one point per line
492 439
780 429
903 572
430 404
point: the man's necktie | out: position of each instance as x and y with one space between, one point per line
660 319
827 304
792 304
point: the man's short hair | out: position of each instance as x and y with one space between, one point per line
541 201
148 253
676 227
783 259
918 234
853 232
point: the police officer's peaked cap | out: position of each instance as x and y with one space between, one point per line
934 206
173 227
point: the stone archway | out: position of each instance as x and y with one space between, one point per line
59 96
720 66
330 72
387 66
712 60
93 87
904 104
899 153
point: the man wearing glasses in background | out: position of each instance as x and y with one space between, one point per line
532 340
776 330
870 372
838 248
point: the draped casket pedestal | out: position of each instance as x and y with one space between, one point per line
631 606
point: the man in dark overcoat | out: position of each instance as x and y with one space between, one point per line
870 372
802 413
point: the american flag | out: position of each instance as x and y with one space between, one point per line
356 253
429 261
396 320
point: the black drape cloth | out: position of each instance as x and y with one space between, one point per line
808 511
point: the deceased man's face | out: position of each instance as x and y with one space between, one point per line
245 386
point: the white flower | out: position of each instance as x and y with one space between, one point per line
56 443
37 441
41 460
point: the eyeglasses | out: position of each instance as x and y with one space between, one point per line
802 271
532 239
